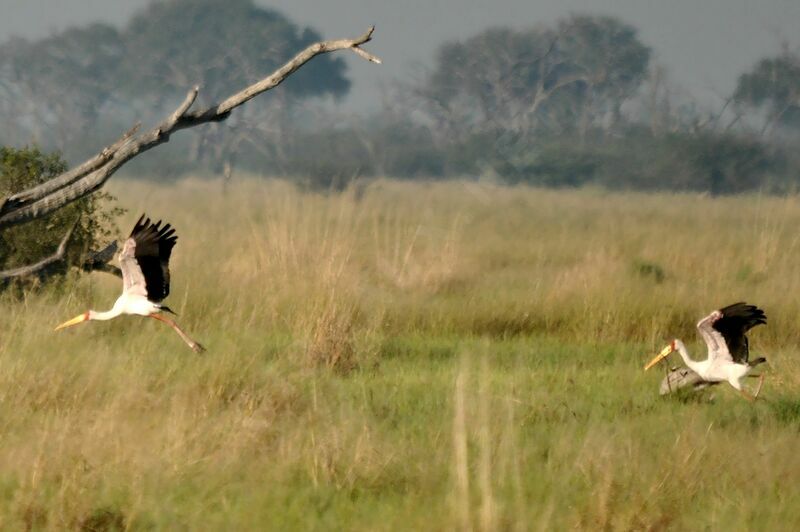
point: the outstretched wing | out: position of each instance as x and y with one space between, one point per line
736 320
144 259
717 346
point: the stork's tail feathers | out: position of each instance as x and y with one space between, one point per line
756 362
165 308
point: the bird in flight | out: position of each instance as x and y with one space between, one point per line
144 261
724 332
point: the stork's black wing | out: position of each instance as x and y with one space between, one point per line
736 320
153 248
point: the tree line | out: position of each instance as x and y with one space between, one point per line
580 101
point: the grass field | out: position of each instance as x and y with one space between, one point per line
411 356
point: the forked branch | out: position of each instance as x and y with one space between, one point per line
91 175
88 177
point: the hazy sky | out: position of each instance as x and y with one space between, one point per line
705 44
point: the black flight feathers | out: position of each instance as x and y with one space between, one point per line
153 248
736 320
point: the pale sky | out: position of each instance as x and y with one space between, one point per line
705 44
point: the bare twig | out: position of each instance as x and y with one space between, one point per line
93 174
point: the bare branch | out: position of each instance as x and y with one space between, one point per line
40 266
95 261
93 174
277 77
69 176
170 122
366 55
543 94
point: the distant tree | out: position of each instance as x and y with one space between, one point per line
773 86
60 90
54 88
726 164
546 79
488 80
609 64
704 161
220 46
667 108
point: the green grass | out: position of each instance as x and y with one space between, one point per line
410 356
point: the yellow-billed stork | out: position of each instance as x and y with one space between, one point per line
144 261
724 332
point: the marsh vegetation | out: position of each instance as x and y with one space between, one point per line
410 356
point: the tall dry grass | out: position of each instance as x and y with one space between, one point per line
467 258
409 355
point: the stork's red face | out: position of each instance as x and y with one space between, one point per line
74 321
661 356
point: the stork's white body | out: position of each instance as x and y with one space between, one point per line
728 354
127 304
714 368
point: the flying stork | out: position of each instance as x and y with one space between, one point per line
724 332
144 261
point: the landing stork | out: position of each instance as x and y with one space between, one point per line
724 332
144 261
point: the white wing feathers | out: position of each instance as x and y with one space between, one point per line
717 347
133 282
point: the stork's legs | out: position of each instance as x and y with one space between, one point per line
196 347
753 397
747 396
760 384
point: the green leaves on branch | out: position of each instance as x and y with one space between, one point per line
91 217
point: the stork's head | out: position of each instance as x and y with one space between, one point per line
662 355
86 316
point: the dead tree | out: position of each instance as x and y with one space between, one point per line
74 184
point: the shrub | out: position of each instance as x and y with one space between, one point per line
703 162
31 242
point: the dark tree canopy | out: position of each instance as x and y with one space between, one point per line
774 86
60 83
608 57
606 50
489 77
540 78
71 90
221 46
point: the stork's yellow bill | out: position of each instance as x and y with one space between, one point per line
74 321
661 356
